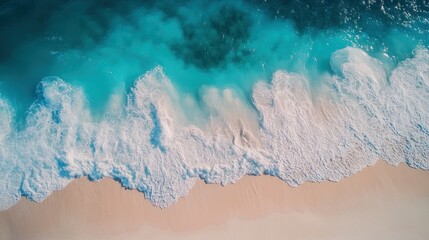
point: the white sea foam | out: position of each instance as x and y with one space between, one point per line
358 116
5 119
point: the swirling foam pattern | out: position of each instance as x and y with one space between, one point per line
359 115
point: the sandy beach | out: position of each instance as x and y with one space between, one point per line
380 202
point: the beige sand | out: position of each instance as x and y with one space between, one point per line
381 202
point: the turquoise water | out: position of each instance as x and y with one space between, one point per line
156 94
104 47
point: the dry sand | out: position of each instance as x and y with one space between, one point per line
381 202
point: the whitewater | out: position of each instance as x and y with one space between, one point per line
301 101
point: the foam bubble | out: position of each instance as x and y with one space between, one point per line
293 132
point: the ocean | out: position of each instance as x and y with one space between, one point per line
158 94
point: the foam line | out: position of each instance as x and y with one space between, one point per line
293 132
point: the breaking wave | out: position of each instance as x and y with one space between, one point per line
161 141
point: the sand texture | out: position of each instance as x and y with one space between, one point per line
381 202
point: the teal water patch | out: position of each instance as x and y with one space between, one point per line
105 47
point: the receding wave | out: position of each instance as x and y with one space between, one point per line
161 141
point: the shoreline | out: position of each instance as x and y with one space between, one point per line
88 210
